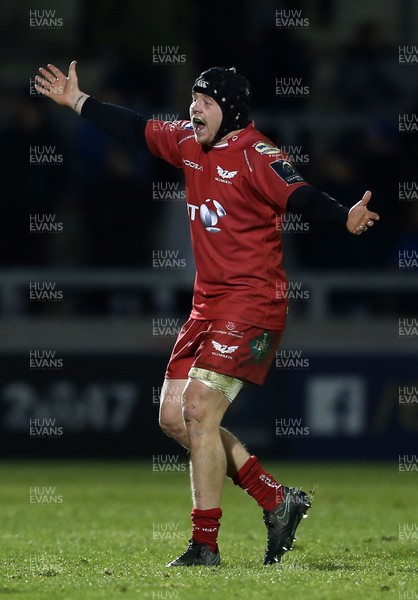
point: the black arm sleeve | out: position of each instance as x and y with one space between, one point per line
317 207
122 123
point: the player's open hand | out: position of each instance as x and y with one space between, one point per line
61 89
360 218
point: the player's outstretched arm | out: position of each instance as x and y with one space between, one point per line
360 218
61 89
320 208
122 123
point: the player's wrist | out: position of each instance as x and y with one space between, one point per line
77 101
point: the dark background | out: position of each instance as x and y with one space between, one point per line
346 135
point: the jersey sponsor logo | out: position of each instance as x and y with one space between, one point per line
286 171
223 348
230 330
211 216
224 175
202 83
210 212
192 165
264 148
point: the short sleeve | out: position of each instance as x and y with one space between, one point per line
273 175
163 138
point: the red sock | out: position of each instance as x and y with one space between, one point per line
205 526
259 484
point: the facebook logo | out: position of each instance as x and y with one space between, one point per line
336 405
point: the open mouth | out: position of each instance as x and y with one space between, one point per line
198 124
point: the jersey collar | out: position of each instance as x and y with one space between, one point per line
239 137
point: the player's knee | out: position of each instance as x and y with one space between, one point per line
173 429
199 409
172 423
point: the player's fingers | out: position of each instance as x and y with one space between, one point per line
374 216
364 226
43 83
358 229
47 75
42 90
55 70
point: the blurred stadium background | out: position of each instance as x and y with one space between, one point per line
88 315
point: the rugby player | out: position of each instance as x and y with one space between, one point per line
238 186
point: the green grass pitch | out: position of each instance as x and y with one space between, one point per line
104 530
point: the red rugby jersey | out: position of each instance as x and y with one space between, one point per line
235 194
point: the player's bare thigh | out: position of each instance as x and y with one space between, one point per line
171 409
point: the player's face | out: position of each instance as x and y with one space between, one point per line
206 118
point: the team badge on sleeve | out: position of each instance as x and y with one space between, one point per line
286 171
265 148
